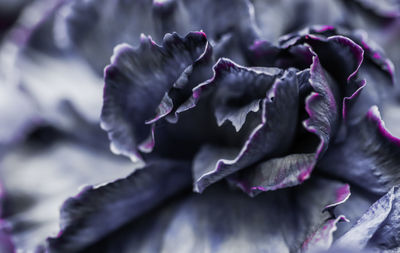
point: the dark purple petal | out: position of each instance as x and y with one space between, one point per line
143 235
325 233
275 173
378 229
135 84
375 68
368 157
264 53
354 207
239 91
342 59
338 55
222 220
323 107
96 212
374 53
182 88
277 126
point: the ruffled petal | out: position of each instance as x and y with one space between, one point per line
135 84
368 157
279 108
275 173
323 111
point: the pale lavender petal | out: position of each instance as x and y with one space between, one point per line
378 229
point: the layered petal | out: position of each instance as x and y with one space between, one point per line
214 163
378 229
293 168
222 220
368 157
135 84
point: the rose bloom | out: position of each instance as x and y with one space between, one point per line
200 126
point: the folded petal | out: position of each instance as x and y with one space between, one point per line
292 169
270 137
96 212
222 220
135 84
378 229
239 91
368 157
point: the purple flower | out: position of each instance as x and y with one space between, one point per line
275 127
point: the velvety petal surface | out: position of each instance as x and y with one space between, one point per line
323 118
368 157
97 211
214 163
222 220
135 84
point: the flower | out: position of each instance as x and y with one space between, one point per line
273 133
